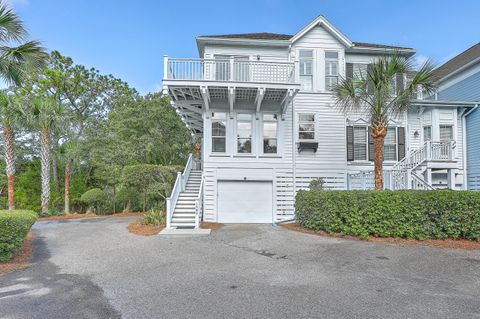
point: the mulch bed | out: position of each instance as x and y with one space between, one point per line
21 259
137 228
212 226
89 215
438 243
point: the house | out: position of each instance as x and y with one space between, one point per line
459 79
262 106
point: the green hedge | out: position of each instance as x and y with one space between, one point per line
14 227
405 214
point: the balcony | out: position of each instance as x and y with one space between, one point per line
198 85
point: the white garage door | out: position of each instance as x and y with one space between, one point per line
244 202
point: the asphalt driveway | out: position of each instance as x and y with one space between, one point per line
93 268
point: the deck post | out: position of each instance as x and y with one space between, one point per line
165 67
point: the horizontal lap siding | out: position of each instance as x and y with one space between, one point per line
275 54
473 150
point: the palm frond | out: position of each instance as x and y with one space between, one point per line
11 26
15 62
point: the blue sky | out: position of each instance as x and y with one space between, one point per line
129 38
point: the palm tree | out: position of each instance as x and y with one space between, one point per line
15 63
376 94
46 116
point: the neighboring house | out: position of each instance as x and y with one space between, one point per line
459 79
262 105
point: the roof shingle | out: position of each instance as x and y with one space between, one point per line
459 61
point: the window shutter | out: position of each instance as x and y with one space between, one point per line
350 156
401 142
371 148
349 70
400 84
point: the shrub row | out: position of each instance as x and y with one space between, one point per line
14 227
406 214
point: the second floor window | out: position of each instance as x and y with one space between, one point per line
270 134
306 127
244 133
427 133
219 132
306 69
446 133
331 70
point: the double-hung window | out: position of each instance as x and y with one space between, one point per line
270 138
331 70
390 145
219 132
446 133
360 143
306 69
244 133
306 127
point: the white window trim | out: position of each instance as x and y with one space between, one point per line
325 67
314 127
314 67
212 120
253 137
367 161
262 136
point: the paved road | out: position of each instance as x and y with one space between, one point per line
95 269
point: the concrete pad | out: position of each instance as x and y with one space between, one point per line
185 231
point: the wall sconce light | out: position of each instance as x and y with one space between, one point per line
416 134
258 57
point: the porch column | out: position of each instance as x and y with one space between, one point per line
451 178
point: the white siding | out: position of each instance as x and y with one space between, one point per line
276 54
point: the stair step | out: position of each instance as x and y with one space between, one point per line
183 210
182 225
185 206
183 220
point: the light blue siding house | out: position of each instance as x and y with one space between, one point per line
459 79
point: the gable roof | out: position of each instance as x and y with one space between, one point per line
281 36
460 61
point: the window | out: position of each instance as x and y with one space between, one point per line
390 146
360 70
219 132
306 126
306 69
360 143
331 70
244 133
446 133
427 133
270 133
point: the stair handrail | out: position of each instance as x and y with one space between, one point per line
178 187
199 204
401 171
420 182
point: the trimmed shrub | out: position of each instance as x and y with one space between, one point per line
154 217
95 198
14 227
406 214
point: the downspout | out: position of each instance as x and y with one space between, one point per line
464 145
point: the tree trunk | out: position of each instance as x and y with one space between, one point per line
45 168
68 175
378 134
9 140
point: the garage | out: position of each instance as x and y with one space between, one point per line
244 201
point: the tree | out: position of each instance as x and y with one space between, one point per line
15 64
46 116
377 94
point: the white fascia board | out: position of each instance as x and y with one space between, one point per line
322 21
356 49
202 41
444 103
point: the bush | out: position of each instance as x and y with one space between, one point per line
14 227
406 214
154 217
95 198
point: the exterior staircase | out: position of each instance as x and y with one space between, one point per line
185 208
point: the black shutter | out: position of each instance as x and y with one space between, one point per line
371 148
401 142
349 70
400 85
350 156
370 87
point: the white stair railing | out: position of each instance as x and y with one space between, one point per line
199 205
178 187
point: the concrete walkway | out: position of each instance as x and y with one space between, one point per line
94 268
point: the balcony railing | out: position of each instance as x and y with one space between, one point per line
229 70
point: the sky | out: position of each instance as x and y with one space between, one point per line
129 38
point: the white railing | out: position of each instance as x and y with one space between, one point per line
365 180
199 205
178 187
230 70
419 183
442 151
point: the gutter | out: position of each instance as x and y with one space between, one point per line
464 146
